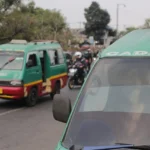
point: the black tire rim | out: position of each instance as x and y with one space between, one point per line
33 97
57 88
52 95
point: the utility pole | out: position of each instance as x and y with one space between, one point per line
117 24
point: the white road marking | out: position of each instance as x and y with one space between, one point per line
11 111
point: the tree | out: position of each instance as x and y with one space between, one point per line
5 5
53 22
97 21
26 21
112 32
29 22
127 30
13 25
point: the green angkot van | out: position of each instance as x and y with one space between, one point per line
112 110
31 70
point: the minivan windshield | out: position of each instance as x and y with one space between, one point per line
114 105
11 60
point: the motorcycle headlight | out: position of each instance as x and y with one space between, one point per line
72 70
16 83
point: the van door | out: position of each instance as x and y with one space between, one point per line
44 63
58 67
33 72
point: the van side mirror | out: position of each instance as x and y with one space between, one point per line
29 63
61 108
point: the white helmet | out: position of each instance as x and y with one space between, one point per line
78 54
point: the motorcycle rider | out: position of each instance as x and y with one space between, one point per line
79 58
88 56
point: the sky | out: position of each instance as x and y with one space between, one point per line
134 14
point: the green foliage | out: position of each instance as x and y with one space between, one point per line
25 21
112 32
129 29
97 21
6 5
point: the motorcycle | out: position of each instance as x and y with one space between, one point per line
76 75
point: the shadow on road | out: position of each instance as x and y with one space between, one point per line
10 104
14 104
44 100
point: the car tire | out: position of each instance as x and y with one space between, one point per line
56 90
31 100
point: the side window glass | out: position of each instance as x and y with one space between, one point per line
53 57
32 61
40 54
60 56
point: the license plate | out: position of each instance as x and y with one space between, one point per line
1 91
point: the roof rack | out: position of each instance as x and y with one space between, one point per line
18 41
44 41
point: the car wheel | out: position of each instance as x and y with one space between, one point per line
31 100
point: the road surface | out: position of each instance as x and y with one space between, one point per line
23 128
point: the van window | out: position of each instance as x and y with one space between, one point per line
34 60
53 55
60 56
40 54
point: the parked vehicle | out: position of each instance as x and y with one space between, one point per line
112 110
31 70
76 75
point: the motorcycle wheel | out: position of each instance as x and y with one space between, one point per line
81 81
71 83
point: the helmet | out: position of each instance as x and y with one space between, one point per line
78 54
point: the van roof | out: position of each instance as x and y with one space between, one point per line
33 46
135 43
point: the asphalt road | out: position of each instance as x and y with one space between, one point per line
23 128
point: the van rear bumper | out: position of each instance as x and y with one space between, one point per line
11 92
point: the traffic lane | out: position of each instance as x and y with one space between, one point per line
32 128
14 105
8 105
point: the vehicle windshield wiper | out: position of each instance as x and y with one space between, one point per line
138 147
9 61
118 146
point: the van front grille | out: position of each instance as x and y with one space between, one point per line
4 83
